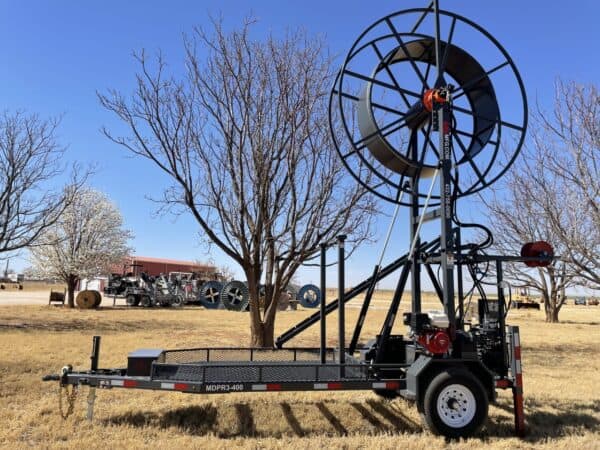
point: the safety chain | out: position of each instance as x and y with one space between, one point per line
70 396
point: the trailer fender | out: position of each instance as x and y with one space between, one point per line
425 368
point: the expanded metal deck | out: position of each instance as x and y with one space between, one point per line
227 365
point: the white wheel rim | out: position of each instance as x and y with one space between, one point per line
456 405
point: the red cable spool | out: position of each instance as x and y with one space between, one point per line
538 249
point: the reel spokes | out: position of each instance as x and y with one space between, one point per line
379 118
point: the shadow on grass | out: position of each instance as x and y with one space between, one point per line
202 420
548 419
332 419
292 420
551 419
578 322
196 420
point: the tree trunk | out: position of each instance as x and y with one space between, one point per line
263 334
552 315
71 284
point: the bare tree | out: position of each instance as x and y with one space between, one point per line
30 164
87 240
226 272
244 139
567 141
518 215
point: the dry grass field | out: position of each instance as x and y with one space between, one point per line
561 365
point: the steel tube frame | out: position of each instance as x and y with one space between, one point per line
323 314
95 356
342 303
444 122
415 269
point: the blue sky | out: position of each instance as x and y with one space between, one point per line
56 54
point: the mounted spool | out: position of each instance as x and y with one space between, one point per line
381 106
538 249
463 68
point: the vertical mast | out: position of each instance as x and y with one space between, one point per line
444 125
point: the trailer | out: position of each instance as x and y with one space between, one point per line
449 366
451 380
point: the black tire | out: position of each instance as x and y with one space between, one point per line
235 296
309 296
132 300
455 404
177 301
144 300
210 294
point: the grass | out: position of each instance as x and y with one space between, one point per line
560 362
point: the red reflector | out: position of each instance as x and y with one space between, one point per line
129 383
519 380
181 386
392 385
502 383
334 385
273 387
517 353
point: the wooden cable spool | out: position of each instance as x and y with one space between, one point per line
88 299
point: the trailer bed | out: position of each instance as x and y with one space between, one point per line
221 370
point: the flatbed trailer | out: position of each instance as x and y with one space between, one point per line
270 371
263 370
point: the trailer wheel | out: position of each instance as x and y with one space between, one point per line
455 404
132 300
235 296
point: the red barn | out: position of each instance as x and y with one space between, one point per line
156 266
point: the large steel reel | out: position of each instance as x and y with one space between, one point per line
235 296
386 137
210 294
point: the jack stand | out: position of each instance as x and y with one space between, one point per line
517 388
91 399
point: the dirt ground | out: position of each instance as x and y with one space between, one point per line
561 365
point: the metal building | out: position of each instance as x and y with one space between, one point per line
156 266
